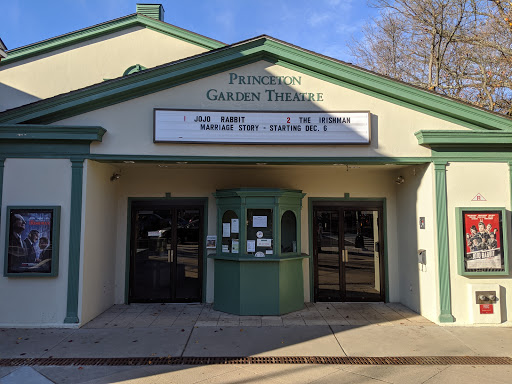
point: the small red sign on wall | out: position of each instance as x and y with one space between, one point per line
486 309
478 197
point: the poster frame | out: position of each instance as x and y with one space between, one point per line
461 239
54 242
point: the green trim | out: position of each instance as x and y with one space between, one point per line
50 141
127 250
75 232
268 258
390 97
465 139
205 251
261 48
167 199
26 132
383 200
492 155
156 11
509 182
55 241
133 69
442 244
377 160
460 240
109 27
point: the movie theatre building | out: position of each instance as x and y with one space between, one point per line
140 162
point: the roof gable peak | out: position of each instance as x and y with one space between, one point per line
108 27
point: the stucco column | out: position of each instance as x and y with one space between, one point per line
77 167
442 244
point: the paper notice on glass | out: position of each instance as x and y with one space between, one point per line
211 241
259 221
251 246
264 243
234 226
226 230
234 246
225 248
269 252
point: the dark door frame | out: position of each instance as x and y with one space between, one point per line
378 204
167 202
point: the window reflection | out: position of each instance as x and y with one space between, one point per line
288 232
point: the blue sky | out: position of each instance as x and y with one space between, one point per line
323 26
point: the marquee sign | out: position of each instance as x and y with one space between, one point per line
231 127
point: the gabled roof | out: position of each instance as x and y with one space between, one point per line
130 21
243 53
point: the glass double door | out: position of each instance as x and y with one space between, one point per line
348 262
166 252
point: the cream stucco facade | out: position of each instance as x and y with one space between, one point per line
71 139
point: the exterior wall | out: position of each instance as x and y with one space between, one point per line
415 199
99 241
202 181
87 63
464 181
36 301
130 124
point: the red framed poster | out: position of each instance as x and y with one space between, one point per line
483 241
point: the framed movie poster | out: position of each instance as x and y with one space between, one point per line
32 243
481 237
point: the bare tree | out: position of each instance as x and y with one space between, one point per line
459 48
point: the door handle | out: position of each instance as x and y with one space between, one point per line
172 255
345 256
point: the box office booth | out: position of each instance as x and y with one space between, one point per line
164 166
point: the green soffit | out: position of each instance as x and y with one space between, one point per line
130 21
21 132
466 139
243 53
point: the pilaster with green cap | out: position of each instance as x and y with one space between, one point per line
75 230
443 251
1 181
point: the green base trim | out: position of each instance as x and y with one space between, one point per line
75 232
446 318
239 289
71 320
